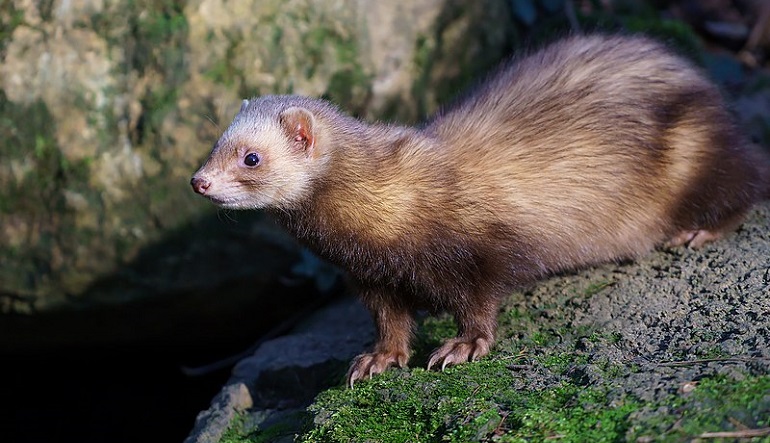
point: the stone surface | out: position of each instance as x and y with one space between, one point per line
211 422
705 307
284 375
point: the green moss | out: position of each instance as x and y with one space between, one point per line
36 176
224 71
471 402
153 35
717 404
235 432
349 85
10 18
160 33
424 54
241 430
596 287
614 337
543 338
610 369
27 130
480 402
342 89
568 413
413 406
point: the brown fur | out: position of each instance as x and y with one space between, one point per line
594 149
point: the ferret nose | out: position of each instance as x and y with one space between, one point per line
200 185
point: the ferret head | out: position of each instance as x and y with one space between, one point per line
269 157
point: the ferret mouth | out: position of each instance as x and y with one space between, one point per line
230 203
219 201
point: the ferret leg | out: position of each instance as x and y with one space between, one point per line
695 238
394 332
477 333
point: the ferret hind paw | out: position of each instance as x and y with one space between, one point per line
459 350
367 365
694 238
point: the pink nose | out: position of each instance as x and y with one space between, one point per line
200 185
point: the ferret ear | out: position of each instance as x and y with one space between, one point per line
299 126
244 104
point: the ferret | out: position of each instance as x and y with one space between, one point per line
593 149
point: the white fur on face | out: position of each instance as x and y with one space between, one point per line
281 180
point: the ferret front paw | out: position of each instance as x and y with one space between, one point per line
367 365
459 350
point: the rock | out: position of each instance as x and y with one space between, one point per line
212 422
284 375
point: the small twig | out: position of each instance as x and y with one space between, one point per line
738 425
521 354
518 367
499 429
747 433
712 360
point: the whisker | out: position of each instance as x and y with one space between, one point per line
212 121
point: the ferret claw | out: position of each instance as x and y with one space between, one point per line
459 350
371 364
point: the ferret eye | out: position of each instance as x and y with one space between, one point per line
251 159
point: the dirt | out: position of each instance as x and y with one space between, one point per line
674 317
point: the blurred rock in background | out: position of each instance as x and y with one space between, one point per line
107 107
